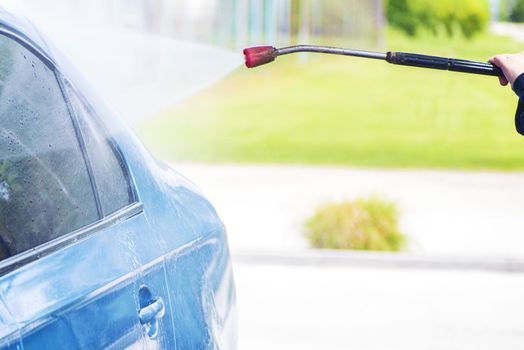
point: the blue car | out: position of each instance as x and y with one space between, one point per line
101 246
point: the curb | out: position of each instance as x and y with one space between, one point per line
381 260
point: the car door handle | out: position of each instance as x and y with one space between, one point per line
152 312
150 315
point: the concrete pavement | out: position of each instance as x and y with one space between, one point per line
311 307
513 30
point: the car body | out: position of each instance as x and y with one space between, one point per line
101 245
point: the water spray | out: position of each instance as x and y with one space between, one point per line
260 55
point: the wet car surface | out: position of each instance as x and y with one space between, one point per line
101 246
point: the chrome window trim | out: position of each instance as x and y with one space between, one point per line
81 142
69 239
126 169
28 44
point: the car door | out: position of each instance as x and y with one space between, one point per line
114 185
9 332
79 265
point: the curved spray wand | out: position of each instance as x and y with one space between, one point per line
259 55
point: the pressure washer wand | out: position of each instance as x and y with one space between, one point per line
257 56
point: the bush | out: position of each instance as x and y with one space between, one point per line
468 16
517 11
399 15
363 224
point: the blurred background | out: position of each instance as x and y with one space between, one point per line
368 206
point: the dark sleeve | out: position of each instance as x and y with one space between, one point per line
518 87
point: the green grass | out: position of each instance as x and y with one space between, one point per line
350 111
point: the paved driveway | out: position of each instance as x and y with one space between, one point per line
307 307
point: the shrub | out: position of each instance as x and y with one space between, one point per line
399 15
517 11
469 16
363 224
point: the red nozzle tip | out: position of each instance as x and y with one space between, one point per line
259 55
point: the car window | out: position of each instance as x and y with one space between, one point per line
45 189
109 169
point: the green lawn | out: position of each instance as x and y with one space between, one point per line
350 111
